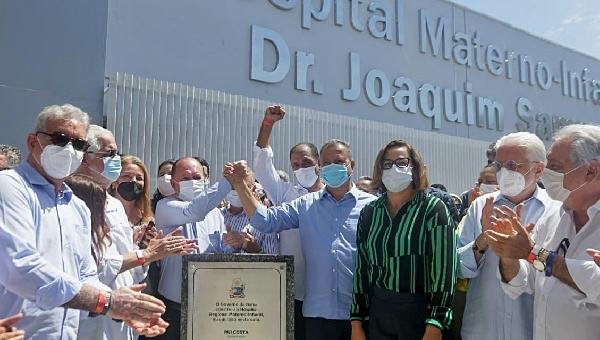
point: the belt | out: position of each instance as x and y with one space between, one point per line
395 297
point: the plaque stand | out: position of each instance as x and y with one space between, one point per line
237 296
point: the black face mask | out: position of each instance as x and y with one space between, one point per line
130 191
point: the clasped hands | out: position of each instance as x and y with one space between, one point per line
504 232
237 173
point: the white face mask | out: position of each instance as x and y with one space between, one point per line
307 177
512 183
553 182
60 161
397 179
488 188
164 185
234 199
188 190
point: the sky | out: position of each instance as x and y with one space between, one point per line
571 23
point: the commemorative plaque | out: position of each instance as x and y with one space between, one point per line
237 296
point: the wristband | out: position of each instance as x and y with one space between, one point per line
101 303
549 262
141 259
531 257
267 122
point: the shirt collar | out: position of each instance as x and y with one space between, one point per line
31 175
539 194
354 191
381 201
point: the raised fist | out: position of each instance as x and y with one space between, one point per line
274 113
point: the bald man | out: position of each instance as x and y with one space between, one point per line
193 207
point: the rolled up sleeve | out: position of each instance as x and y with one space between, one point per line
523 282
442 244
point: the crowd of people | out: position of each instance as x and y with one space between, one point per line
88 250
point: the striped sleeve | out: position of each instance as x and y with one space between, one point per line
442 269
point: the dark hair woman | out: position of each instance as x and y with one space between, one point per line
405 268
94 196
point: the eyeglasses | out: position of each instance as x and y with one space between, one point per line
509 165
399 162
105 154
61 139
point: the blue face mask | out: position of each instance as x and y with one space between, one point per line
112 168
334 175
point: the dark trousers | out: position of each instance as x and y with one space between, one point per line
173 316
326 329
397 316
299 326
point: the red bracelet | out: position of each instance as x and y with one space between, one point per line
101 303
267 122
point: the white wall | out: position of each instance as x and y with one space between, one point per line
171 120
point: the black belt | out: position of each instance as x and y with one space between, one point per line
395 297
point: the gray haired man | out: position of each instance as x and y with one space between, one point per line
47 271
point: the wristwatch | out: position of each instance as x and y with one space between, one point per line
107 304
539 260
141 259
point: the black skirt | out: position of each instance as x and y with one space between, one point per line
397 316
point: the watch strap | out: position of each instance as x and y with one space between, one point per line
549 263
107 304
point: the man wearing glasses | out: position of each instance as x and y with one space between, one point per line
556 266
46 267
101 161
123 263
489 312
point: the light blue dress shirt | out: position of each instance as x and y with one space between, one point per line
328 236
201 221
45 253
489 312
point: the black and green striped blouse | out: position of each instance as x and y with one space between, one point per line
413 252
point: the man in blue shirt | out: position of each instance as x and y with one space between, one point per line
327 222
46 267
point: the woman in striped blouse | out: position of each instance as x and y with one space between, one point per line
405 269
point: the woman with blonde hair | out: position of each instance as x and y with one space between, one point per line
132 188
405 267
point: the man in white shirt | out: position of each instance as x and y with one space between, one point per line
123 263
193 207
46 267
489 313
555 266
304 160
